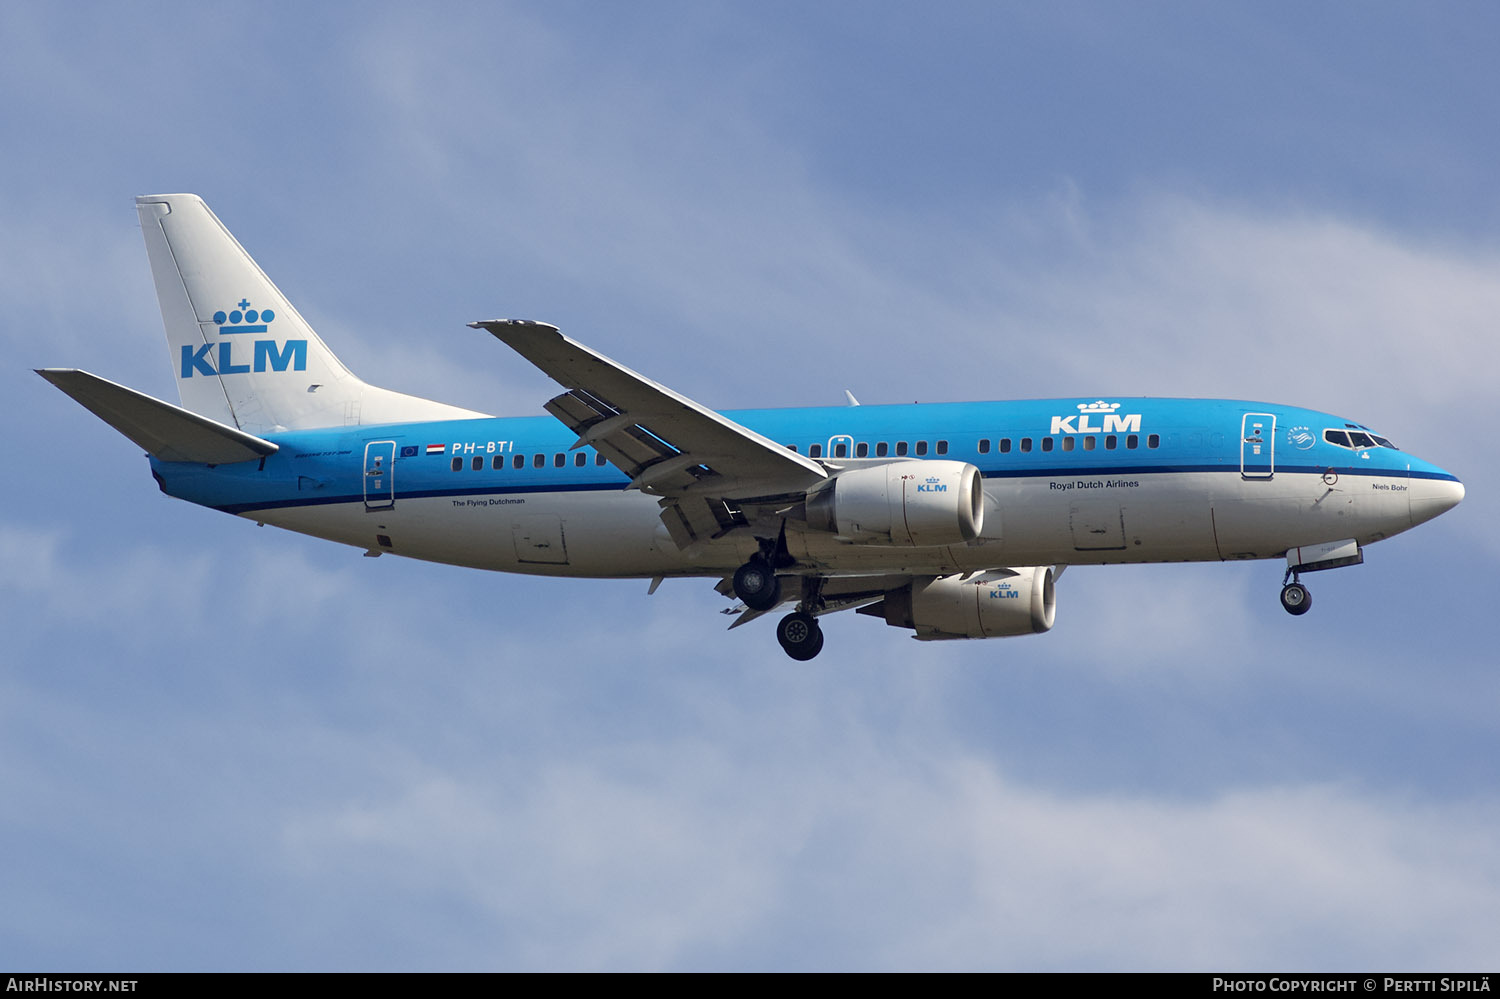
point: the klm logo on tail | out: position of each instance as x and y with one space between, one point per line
266 355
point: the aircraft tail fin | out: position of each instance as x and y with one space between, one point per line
241 354
167 432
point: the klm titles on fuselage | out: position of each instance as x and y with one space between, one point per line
265 355
1113 423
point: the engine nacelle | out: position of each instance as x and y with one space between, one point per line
988 605
908 503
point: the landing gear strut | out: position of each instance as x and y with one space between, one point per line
1295 597
798 632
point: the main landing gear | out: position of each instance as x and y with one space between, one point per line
800 636
1295 597
757 587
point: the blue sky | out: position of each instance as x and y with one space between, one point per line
226 747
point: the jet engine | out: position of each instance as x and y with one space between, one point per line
908 503
996 604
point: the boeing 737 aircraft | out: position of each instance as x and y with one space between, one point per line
952 521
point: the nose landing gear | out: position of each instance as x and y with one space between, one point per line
1295 598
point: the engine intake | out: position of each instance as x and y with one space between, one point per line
908 503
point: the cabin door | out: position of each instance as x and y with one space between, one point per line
380 475
1258 446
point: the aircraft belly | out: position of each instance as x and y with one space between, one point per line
1093 520
570 534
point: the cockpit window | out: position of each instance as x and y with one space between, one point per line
1357 439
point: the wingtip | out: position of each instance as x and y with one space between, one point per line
506 327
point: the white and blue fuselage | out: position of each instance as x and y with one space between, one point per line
1172 480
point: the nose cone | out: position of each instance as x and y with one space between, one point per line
1430 496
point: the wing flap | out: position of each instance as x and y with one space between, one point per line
165 431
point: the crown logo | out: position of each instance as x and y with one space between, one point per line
243 319
1098 407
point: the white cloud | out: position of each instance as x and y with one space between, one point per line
678 855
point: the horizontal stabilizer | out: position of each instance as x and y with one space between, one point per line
167 432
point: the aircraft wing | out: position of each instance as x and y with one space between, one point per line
669 445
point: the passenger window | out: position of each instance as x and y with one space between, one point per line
1025 443
538 460
581 460
901 449
1132 442
815 450
1154 440
1005 445
841 450
921 448
1111 442
497 462
792 448
984 445
1089 442
942 447
862 450
599 459
477 463
1069 443
1047 444
882 449
519 461
458 464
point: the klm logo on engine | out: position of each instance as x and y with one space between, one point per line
1112 423
932 485
265 355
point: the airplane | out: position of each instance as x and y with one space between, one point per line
950 520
